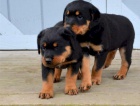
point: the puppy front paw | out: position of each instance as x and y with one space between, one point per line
46 95
85 86
121 74
96 80
71 90
47 90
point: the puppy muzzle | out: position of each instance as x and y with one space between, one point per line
48 60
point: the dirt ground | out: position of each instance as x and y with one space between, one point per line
20 83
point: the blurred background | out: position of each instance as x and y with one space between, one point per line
22 20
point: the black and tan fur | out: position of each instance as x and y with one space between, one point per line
100 35
59 49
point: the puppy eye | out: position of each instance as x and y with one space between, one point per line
68 12
66 15
55 44
80 17
44 45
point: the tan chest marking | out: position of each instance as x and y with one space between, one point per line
97 48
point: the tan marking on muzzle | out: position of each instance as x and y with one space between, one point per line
82 29
62 58
45 64
58 59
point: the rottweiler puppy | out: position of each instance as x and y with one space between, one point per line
100 35
59 49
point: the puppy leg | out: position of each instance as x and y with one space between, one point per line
109 59
57 75
126 61
97 68
47 85
71 77
86 75
96 75
79 77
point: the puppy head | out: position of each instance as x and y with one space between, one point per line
79 15
55 46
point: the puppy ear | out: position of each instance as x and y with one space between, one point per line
76 48
40 35
64 15
67 33
95 16
95 13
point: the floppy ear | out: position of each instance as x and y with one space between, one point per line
40 35
67 33
95 16
76 48
95 13
64 15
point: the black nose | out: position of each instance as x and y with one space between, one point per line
49 60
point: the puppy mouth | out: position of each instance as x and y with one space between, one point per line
75 28
57 60
52 64
78 29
